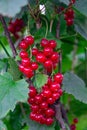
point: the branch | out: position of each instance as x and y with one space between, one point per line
60 62
58 29
8 35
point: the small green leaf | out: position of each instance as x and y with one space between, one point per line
11 7
40 80
11 92
2 126
13 70
72 84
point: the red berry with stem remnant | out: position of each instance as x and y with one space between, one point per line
32 92
48 51
49 121
54 87
28 72
23 54
44 42
58 78
49 112
52 44
40 58
34 51
34 66
25 62
29 40
23 45
75 120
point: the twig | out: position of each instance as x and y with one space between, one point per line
60 62
86 62
51 24
4 49
8 36
58 29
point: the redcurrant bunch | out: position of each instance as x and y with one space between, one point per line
15 27
40 103
27 66
73 125
69 14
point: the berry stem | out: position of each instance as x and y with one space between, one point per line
58 29
4 49
46 26
60 62
8 36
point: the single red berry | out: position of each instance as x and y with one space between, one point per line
38 99
49 112
32 92
48 51
34 51
34 66
54 87
48 64
21 68
38 117
49 81
50 100
35 108
43 120
69 22
26 62
60 91
29 40
23 45
11 28
23 54
45 87
28 72
47 93
70 13
49 121
55 57
56 96
40 58
44 42
58 78
32 116
73 127
52 44
31 101
75 120
44 105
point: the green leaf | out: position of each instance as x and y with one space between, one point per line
2 64
2 126
11 92
36 126
65 1
13 70
81 6
40 80
72 84
11 7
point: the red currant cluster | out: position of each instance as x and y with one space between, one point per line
69 14
73 125
15 27
27 66
47 57
41 103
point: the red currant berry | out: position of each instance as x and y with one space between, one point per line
40 58
50 112
49 81
29 40
48 51
32 92
34 51
47 93
44 42
45 87
49 121
75 120
23 54
28 72
48 64
58 78
21 68
56 96
35 108
50 100
23 45
70 13
25 62
38 99
54 87
52 44
73 127
31 101
44 105
69 22
60 91
43 120
34 66
55 57
32 116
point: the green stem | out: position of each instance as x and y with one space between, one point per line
4 49
46 26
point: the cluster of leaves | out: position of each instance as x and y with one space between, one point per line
72 40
